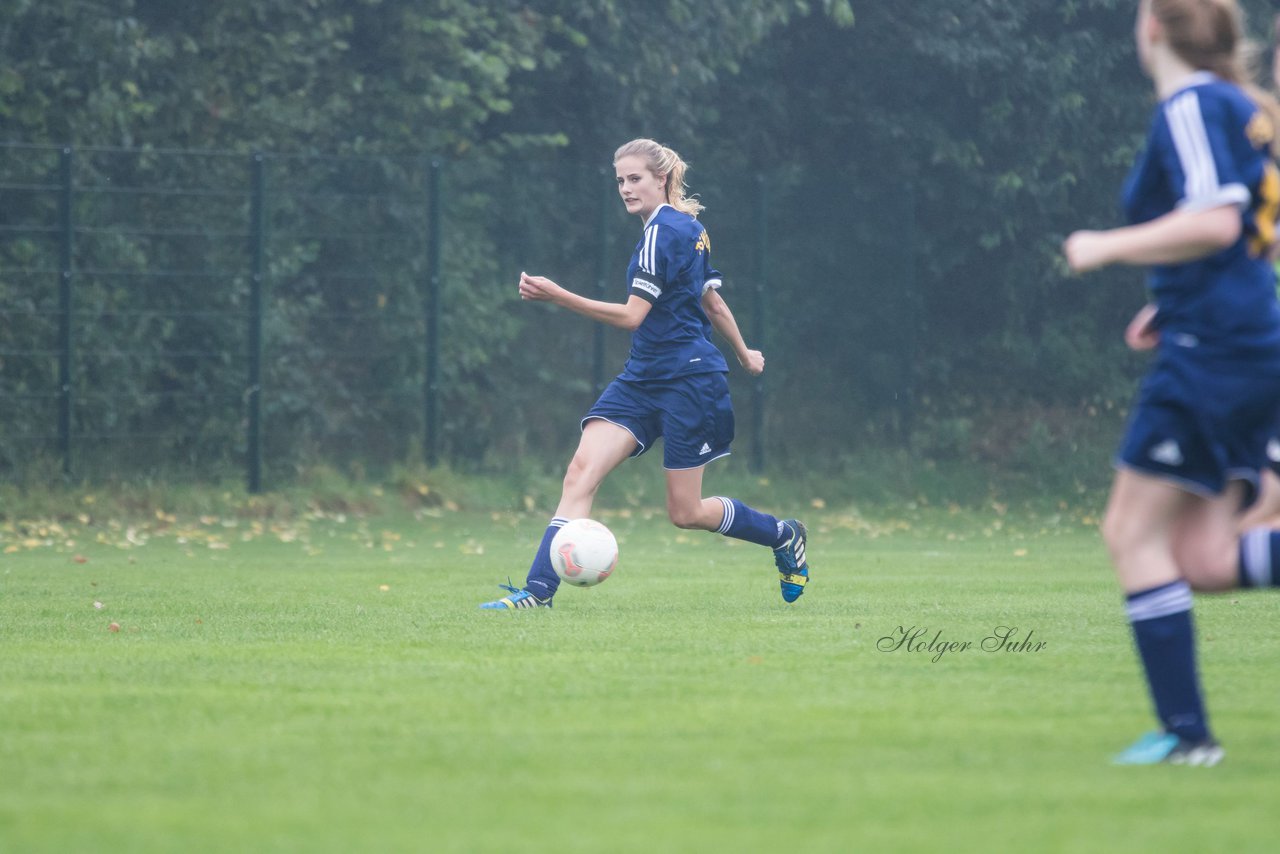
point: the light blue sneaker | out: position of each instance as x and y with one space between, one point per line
793 569
518 599
1157 748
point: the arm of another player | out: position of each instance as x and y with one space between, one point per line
1175 238
723 321
1141 333
628 315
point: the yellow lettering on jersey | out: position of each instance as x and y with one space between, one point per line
1260 130
1268 210
703 244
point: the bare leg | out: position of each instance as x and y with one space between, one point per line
602 448
685 504
1206 542
1138 529
1146 516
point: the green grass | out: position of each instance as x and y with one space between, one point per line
265 693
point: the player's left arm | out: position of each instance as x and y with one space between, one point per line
628 315
722 320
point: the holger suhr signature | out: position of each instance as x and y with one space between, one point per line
919 639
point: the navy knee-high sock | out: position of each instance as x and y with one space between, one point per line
1165 635
745 523
1259 548
543 581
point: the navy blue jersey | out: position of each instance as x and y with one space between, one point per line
671 268
1208 147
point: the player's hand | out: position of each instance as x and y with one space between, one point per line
1140 334
1086 251
753 362
538 288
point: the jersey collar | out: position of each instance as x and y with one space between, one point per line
1197 78
653 215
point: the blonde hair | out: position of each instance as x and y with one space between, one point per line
1209 35
664 163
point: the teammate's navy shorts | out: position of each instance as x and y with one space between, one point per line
692 414
1201 429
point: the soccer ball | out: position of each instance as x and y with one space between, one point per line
584 552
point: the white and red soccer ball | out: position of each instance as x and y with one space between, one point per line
584 552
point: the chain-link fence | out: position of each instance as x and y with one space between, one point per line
209 311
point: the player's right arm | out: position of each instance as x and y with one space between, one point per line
1189 157
628 315
1175 238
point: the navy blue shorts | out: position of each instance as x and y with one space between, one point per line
1201 429
692 414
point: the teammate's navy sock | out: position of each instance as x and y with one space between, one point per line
1165 635
543 581
1259 547
744 523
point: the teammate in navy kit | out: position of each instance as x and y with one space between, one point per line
1202 201
1265 513
673 385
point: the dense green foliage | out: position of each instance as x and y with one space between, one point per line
919 164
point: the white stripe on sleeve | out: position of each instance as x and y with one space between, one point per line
649 252
1191 140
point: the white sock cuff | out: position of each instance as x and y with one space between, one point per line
1255 556
1161 602
727 523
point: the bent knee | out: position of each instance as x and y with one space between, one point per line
685 518
581 474
690 516
1208 567
1120 535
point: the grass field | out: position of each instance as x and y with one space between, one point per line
327 683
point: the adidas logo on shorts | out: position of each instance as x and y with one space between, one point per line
1167 452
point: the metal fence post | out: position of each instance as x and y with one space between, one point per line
758 324
257 255
602 275
431 381
910 322
66 251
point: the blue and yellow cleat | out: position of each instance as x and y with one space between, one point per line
516 600
1165 748
793 569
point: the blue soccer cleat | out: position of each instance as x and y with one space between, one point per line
793 569
516 600
1165 748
